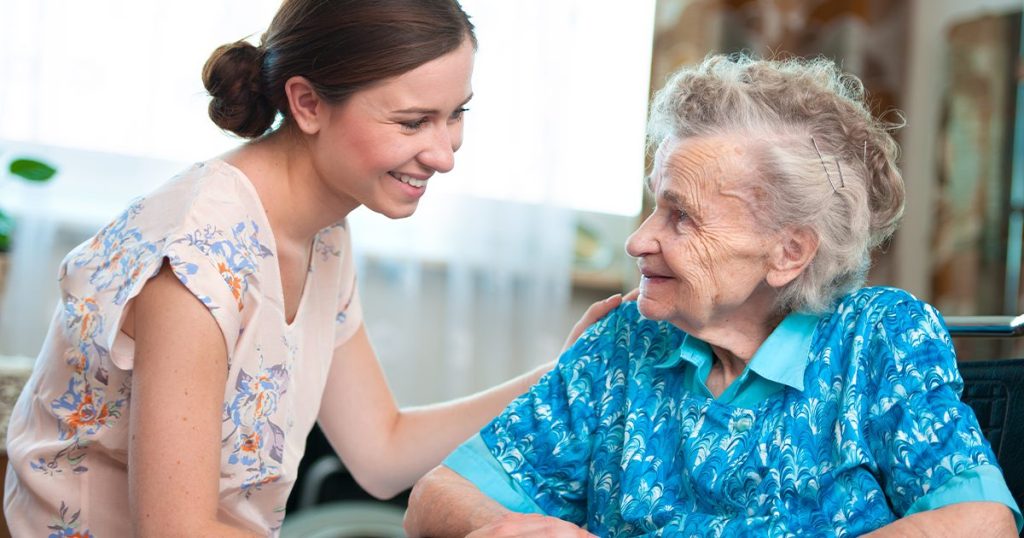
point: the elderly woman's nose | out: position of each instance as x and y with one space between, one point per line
641 242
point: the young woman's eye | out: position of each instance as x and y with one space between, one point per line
414 125
457 115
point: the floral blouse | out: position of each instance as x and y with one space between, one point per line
839 425
68 436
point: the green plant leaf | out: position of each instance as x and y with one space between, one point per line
32 169
6 231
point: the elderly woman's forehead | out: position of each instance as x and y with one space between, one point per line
702 155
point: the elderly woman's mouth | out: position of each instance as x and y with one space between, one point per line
653 277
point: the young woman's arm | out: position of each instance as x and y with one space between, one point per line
177 400
388 449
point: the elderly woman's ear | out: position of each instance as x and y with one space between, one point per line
790 255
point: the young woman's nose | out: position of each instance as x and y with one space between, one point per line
440 153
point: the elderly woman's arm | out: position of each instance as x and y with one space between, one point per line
532 459
442 503
934 463
961 519
445 504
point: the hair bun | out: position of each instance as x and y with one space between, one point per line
233 77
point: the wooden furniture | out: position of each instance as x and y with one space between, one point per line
14 372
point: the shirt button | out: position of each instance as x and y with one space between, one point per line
741 425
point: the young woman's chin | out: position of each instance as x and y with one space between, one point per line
397 200
395 211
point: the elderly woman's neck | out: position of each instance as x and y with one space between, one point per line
725 369
734 345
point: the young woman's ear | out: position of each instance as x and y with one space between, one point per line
792 253
305 104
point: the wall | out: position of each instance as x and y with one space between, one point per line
927 57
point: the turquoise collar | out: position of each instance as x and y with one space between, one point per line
782 357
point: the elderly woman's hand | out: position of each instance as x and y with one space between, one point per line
514 525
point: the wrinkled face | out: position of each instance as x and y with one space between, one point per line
702 257
381 146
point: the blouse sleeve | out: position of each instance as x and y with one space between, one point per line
218 262
927 444
222 265
535 456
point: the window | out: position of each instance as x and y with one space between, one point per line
561 89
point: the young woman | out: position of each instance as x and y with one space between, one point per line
204 331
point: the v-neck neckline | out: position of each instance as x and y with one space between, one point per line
264 221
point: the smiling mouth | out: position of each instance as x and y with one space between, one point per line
652 275
409 180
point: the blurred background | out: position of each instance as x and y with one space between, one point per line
506 252
478 287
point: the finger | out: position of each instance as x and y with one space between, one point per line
599 309
632 296
596 311
593 313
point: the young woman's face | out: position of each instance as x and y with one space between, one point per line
381 147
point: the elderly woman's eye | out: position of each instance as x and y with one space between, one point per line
679 215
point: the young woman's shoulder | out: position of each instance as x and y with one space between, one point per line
212 190
202 222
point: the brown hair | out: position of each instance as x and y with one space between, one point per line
340 46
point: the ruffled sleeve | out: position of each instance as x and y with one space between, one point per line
213 244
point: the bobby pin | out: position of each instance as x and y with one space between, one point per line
842 183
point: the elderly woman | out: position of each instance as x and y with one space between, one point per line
754 389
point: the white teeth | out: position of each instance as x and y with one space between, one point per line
412 181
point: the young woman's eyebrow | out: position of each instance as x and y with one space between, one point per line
429 111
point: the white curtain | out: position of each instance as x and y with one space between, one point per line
51 218
465 294
471 290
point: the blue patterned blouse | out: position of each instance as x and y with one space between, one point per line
839 425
